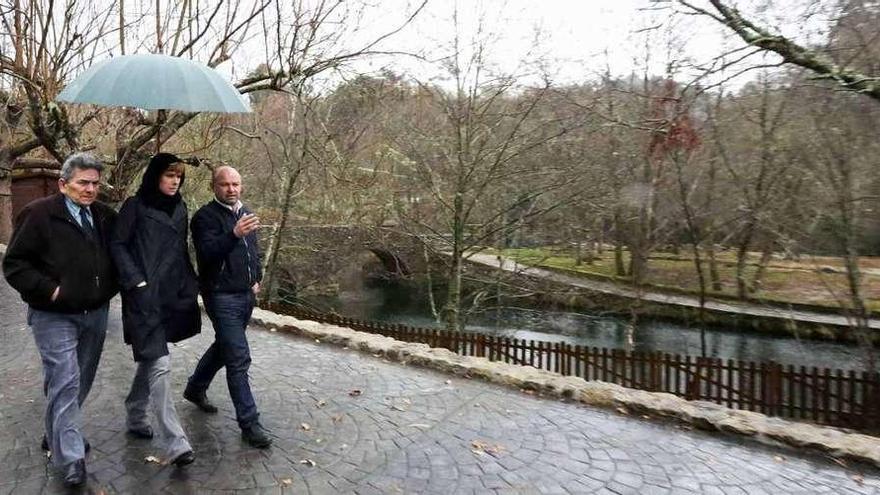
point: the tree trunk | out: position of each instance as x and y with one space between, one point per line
694 235
758 279
742 258
713 265
853 272
275 244
5 196
619 266
452 308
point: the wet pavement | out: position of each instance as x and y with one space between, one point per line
347 422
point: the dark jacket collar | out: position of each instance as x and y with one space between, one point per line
217 206
58 208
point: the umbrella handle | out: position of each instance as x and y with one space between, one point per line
160 121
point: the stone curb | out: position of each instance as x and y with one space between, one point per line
703 415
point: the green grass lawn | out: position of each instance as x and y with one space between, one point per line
784 281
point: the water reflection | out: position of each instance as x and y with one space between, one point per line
402 304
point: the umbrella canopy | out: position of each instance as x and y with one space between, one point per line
155 82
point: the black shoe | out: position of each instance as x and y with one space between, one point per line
144 432
184 459
45 444
256 436
75 474
200 400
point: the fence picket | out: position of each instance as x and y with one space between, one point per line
837 397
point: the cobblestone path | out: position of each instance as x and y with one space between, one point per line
405 430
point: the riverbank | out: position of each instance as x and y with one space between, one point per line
576 291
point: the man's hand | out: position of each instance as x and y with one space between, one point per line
256 289
246 225
55 294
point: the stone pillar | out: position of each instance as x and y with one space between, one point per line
32 178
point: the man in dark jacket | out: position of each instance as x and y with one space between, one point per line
58 260
225 237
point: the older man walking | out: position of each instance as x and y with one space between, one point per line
58 260
225 237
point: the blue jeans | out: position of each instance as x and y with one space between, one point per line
230 313
70 347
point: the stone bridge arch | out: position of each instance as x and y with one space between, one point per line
317 259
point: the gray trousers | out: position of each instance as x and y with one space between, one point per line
152 380
70 348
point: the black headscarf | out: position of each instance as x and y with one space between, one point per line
149 191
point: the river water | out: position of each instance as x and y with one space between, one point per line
407 305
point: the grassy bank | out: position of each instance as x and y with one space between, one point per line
812 280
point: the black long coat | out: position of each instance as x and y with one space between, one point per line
149 246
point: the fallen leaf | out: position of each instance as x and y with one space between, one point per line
337 418
286 482
480 447
355 393
419 425
841 462
778 458
859 479
153 459
305 426
622 410
308 462
448 382
321 403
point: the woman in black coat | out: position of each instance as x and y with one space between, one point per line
159 290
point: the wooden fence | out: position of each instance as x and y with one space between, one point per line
834 397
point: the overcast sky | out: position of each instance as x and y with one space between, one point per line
578 39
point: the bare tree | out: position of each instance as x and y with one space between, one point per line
791 52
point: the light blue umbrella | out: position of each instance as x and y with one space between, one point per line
155 82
